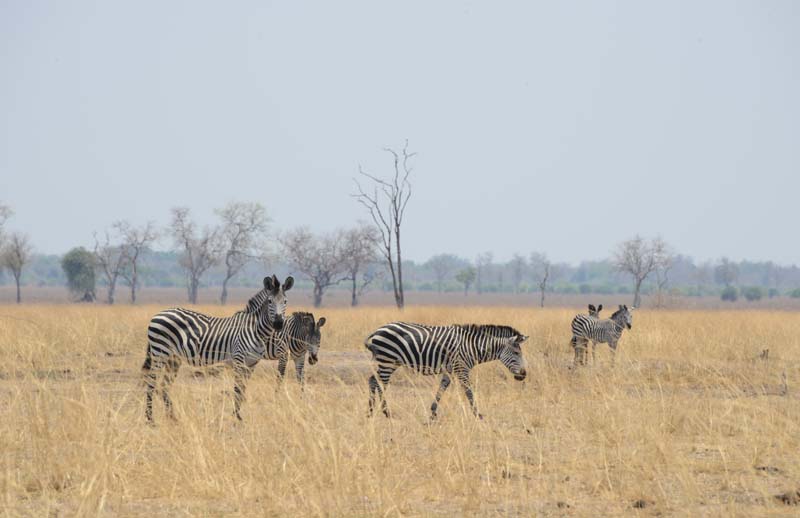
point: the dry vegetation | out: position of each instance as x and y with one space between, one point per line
690 421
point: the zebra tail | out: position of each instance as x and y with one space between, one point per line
148 361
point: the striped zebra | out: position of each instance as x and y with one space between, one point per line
301 334
241 340
446 350
587 329
593 312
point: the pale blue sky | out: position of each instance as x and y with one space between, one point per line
560 126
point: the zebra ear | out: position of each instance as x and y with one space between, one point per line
599 308
321 322
592 308
522 338
288 284
620 307
269 284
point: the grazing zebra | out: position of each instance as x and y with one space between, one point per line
608 331
301 333
241 340
444 350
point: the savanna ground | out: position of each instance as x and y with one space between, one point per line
690 421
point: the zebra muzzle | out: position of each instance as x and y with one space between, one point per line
520 375
312 359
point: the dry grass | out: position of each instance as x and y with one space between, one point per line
688 422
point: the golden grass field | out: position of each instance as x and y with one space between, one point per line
688 422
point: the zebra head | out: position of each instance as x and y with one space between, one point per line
511 356
595 311
276 299
314 340
623 316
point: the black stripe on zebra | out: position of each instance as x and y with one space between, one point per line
241 340
587 329
301 334
446 350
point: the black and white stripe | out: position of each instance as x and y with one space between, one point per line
444 350
301 334
241 340
587 329
593 312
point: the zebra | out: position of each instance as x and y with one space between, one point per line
444 350
301 334
241 340
608 331
593 312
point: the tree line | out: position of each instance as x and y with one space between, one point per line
240 246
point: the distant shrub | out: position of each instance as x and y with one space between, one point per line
729 294
584 289
752 293
795 293
773 292
604 289
623 290
568 289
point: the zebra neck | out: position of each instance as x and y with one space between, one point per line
487 350
263 325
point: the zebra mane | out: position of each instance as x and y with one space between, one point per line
305 320
255 302
490 329
618 312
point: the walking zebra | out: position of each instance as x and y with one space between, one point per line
241 340
607 331
301 333
444 350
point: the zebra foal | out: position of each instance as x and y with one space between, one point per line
586 328
178 335
301 335
446 350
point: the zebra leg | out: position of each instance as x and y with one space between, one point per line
439 393
299 368
242 374
172 366
613 346
594 347
150 373
375 386
282 361
463 377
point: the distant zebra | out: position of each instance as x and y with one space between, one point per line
301 334
241 340
608 331
445 350
593 312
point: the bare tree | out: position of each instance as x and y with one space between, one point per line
726 272
319 258
199 252
482 264
466 277
386 203
662 278
111 260
135 240
243 228
518 267
15 255
359 251
543 272
639 258
442 266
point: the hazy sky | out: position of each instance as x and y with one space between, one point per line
563 127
